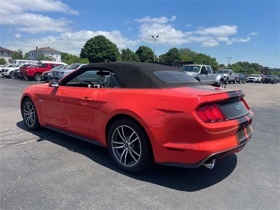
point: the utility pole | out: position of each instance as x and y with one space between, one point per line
155 40
228 60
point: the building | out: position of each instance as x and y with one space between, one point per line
5 53
47 51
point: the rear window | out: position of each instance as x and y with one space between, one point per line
191 68
223 71
174 77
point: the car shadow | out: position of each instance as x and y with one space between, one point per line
171 177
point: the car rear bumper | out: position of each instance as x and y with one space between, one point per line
217 156
206 144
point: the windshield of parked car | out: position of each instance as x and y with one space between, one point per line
59 67
255 75
191 68
74 66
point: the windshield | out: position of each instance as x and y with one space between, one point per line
255 75
191 68
59 67
74 66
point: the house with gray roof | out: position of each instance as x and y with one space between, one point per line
5 53
47 51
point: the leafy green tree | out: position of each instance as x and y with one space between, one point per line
171 56
100 49
18 54
207 60
222 66
145 54
70 59
128 55
2 61
186 58
248 68
43 57
187 54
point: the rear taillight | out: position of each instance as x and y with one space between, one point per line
210 113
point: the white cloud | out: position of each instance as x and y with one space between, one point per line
17 14
222 31
160 20
19 6
17 35
253 34
247 39
210 43
72 42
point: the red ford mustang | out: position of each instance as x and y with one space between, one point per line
143 113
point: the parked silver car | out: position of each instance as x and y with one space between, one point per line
58 74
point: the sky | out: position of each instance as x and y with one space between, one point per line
229 30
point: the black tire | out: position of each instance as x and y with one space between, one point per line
12 75
235 81
30 78
129 146
29 114
220 83
37 77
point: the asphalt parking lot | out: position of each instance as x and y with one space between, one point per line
48 170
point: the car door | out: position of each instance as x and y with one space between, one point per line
71 108
206 77
210 76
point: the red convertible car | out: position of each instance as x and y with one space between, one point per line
143 113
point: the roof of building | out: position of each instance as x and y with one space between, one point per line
45 49
2 49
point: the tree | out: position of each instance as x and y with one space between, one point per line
2 61
171 56
207 60
70 59
187 54
128 55
145 54
43 57
18 54
222 66
100 49
247 68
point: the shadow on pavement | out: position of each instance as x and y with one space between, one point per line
171 177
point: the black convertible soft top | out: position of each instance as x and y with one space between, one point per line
144 75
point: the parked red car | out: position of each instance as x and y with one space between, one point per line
143 113
34 72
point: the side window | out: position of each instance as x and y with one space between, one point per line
208 69
52 66
112 82
94 79
203 70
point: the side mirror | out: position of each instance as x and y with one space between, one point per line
54 84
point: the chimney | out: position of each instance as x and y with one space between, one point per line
36 48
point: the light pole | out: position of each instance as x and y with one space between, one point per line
155 40
228 60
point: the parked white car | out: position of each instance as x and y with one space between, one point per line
8 71
254 78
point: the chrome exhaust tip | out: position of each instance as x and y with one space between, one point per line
210 165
